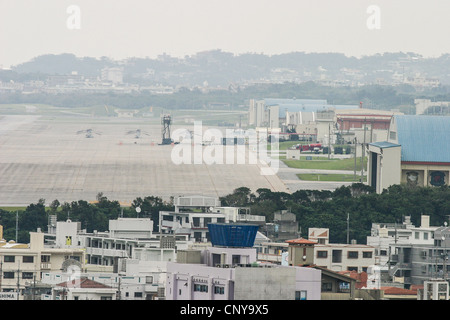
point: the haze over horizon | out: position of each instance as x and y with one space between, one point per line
121 29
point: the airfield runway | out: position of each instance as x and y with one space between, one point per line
44 157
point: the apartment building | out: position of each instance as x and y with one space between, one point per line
229 271
317 250
192 215
384 235
413 264
24 263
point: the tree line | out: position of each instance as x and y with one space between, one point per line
312 208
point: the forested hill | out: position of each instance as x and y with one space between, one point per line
313 208
220 68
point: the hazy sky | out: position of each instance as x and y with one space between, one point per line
141 28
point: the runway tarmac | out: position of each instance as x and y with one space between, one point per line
44 157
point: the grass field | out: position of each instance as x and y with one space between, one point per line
339 164
13 208
330 177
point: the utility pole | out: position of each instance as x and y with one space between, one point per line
18 284
17 224
329 141
348 228
362 152
118 291
34 286
354 171
1 274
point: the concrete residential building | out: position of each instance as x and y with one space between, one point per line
193 214
231 272
335 257
22 263
83 289
103 250
384 235
412 264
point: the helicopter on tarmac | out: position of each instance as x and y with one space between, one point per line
89 133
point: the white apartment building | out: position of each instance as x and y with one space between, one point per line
230 271
192 215
104 249
384 235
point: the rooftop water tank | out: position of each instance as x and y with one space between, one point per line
232 235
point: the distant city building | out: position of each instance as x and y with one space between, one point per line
114 75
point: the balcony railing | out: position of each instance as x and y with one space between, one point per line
46 265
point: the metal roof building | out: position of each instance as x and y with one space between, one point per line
417 153
423 138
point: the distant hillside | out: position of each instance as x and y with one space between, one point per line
218 68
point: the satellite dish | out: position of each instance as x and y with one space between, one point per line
71 266
138 209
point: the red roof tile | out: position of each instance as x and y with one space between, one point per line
300 241
82 283
399 291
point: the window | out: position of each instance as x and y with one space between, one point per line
322 254
200 288
352 269
45 258
367 254
327 286
28 259
27 275
383 252
352 255
425 236
235 259
138 294
10 259
8 275
105 298
336 256
416 235
76 297
219 290
300 295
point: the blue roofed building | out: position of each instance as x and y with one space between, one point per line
416 153
229 270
